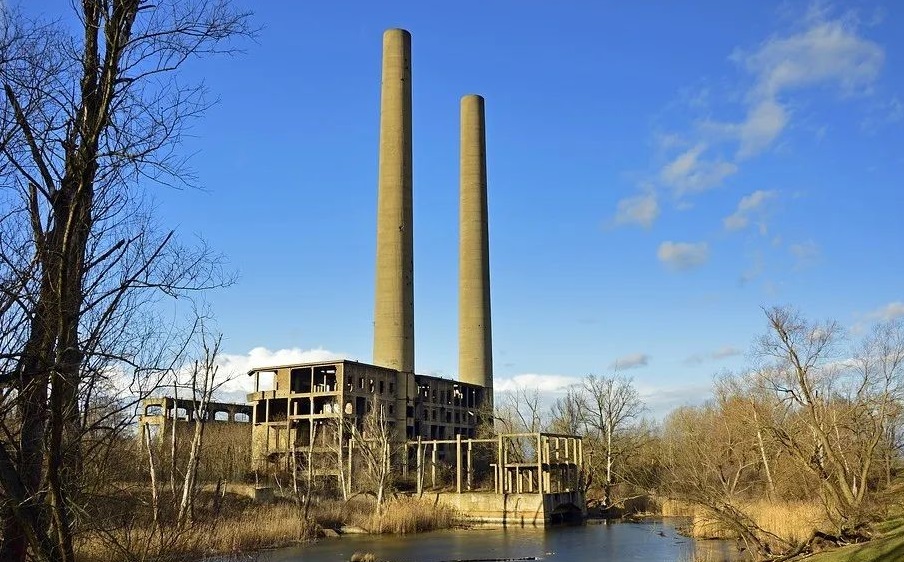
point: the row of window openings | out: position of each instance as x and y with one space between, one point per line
182 414
327 383
302 407
377 387
443 396
449 416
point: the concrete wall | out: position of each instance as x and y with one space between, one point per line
516 510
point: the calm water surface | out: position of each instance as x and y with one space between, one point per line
651 541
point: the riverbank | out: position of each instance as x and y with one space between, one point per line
887 547
235 525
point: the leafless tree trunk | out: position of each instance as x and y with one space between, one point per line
83 116
374 445
173 441
765 459
204 384
152 467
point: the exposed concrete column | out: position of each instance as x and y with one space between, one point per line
394 291
475 357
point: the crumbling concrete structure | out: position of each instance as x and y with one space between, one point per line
226 448
321 400
164 411
535 478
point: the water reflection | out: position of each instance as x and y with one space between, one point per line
647 541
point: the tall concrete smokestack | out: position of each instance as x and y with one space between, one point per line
475 357
394 292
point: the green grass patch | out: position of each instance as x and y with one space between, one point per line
887 548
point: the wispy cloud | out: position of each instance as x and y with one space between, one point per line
689 173
234 367
659 400
726 351
723 352
683 255
545 383
630 361
749 206
890 311
641 210
883 113
823 51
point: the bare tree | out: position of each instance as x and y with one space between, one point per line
567 416
203 383
845 404
373 444
521 411
609 405
86 119
711 462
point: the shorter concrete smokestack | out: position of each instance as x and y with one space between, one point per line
475 352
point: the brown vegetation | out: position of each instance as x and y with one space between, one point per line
243 526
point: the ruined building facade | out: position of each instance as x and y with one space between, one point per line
328 400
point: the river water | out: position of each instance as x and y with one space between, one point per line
649 541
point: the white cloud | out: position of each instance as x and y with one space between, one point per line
827 52
765 121
630 361
659 400
830 54
748 205
723 352
683 255
689 173
545 383
641 210
235 367
890 311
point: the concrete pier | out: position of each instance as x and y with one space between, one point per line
394 292
475 357
536 479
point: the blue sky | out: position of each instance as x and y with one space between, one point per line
658 172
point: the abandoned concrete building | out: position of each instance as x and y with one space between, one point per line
311 398
309 411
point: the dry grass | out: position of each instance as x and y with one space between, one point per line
401 515
676 508
254 528
792 521
406 515
245 527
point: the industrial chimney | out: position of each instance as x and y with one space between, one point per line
394 291
475 357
